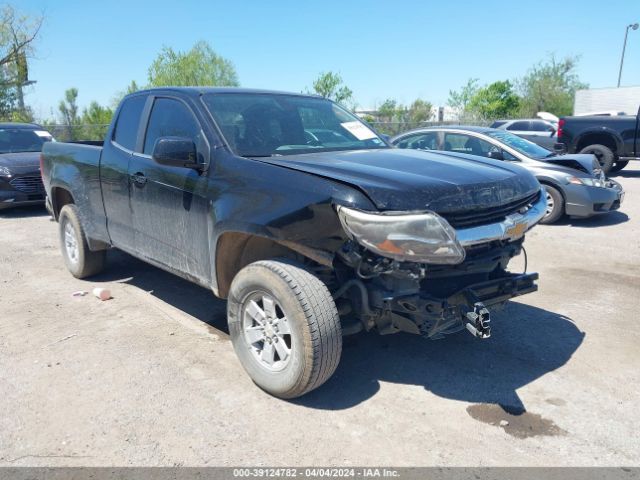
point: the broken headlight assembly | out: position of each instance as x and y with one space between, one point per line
415 237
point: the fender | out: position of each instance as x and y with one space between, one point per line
617 138
287 208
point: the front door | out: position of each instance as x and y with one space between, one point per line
169 204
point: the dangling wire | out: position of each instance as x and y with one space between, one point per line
525 259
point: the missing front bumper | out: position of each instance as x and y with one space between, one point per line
434 317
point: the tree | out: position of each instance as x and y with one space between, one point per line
550 86
131 88
200 66
95 120
68 109
419 111
17 36
7 98
460 99
495 100
330 85
388 110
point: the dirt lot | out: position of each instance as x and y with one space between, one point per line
150 377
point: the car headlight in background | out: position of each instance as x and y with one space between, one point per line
5 172
589 181
420 237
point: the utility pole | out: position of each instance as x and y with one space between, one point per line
633 26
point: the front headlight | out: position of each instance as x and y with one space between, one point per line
419 238
5 172
589 181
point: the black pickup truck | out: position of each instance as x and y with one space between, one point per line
614 140
305 219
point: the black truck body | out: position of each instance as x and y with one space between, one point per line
230 204
614 140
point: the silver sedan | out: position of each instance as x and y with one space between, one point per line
575 184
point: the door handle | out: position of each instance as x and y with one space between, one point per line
139 179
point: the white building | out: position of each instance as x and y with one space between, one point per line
622 99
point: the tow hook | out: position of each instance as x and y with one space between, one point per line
478 321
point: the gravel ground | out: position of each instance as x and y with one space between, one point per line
150 378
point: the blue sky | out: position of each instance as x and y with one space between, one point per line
401 49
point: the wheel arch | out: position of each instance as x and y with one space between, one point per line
545 181
607 138
235 250
60 197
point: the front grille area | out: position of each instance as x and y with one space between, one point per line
485 216
31 184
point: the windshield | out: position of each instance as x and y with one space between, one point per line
525 147
262 125
14 140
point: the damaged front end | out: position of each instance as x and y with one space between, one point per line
396 275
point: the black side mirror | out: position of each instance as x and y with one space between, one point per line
176 152
496 155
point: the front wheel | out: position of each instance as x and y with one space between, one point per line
284 327
555 205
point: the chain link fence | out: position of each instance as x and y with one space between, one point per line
394 128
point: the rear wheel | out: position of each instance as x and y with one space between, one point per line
555 205
284 327
80 261
619 166
604 155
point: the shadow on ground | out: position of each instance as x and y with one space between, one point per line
186 296
604 220
627 174
526 343
24 212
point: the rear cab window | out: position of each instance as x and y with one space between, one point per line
125 133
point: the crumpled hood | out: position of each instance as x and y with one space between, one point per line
20 163
397 179
578 161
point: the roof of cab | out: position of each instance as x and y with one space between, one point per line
196 91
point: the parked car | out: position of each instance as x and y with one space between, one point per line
536 130
20 146
575 185
614 140
309 239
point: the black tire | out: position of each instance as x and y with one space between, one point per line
619 165
315 339
84 263
604 155
557 211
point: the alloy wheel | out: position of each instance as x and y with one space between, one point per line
266 331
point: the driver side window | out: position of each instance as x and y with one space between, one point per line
461 143
170 118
